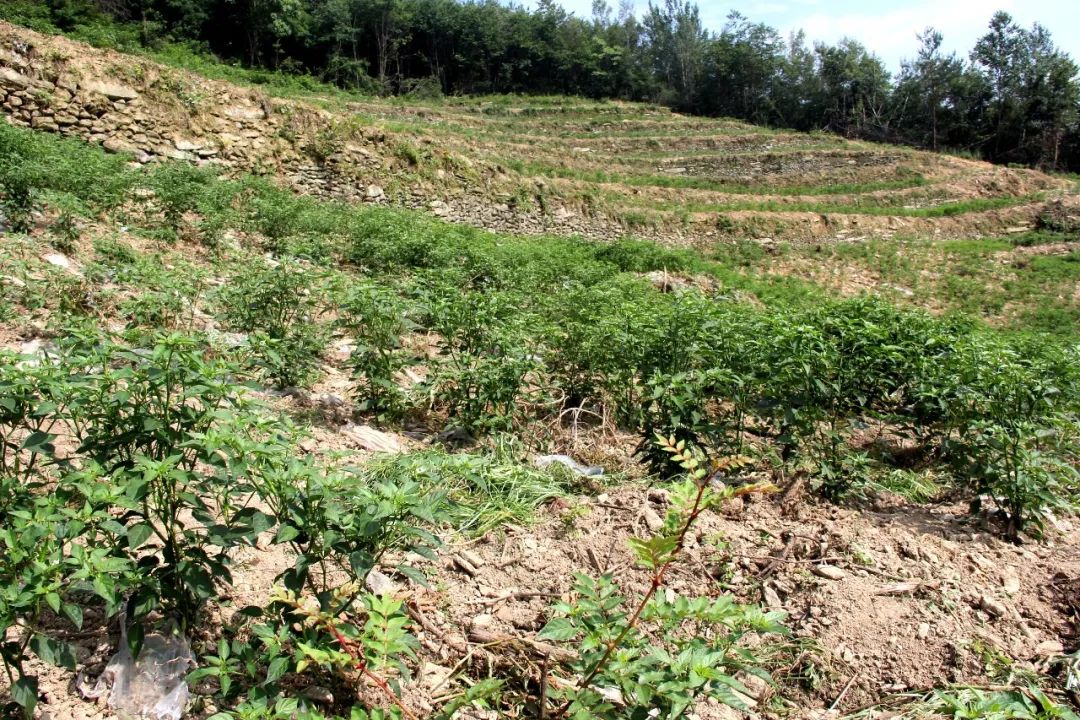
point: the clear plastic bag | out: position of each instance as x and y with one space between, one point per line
152 687
585 470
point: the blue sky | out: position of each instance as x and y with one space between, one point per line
888 27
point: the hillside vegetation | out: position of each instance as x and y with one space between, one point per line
573 166
281 381
1014 98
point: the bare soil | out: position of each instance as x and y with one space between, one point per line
915 596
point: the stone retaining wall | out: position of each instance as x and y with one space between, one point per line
127 104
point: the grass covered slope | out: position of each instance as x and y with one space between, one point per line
529 165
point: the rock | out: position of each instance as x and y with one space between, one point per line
992 606
434 676
242 112
117 145
186 145
482 621
829 572
772 599
456 437
652 519
319 694
1009 581
14 79
111 90
68 83
759 689
57 260
1049 648
330 400
924 631
666 282
39 348
475 560
380 584
374 192
845 653
659 496
508 615
371 439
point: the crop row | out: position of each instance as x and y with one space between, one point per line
133 468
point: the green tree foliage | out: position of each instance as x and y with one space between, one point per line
1033 91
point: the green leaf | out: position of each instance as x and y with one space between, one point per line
139 534
559 629
199 673
413 574
25 692
276 670
286 533
53 652
73 613
39 442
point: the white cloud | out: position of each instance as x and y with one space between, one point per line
892 34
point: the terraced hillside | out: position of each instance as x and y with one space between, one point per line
523 165
333 408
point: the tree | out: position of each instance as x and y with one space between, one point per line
1052 99
1034 89
798 102
999 54
677 42
855 88
743 70
272 21
926 89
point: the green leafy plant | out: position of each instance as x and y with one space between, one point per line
354 638
153 420
481 373
377 320
622 669
336 523
1028 703
277 306
62 549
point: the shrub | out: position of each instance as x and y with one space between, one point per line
35 165
377 319
279 307
150 419
638 256
480 374
659 653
